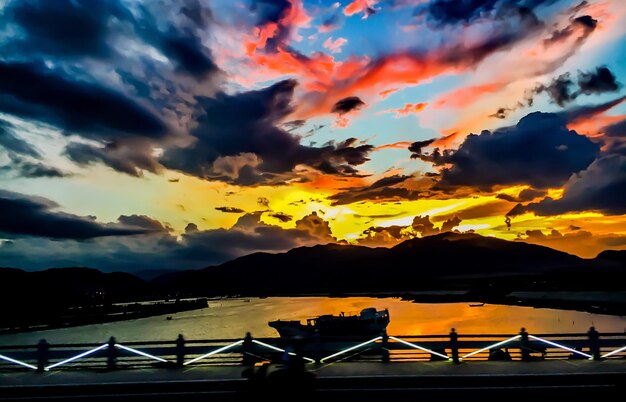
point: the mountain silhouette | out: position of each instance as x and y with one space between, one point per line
444 260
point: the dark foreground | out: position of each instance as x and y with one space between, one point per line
545 380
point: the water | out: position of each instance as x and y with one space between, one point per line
231 318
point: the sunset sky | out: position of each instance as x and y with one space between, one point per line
179 134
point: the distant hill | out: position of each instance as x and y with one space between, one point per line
445 260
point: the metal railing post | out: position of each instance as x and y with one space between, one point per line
454 346
317 347
524 345
246 350
180 350
111 354
384 347
43 348
594 343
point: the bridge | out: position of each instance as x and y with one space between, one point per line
491 364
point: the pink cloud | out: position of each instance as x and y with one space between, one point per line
335 46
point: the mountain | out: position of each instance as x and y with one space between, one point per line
448 260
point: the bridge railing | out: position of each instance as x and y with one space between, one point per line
452 347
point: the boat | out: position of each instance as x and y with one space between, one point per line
369 322
477 305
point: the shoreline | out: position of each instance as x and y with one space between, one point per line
613 304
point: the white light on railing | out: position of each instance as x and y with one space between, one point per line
214 352
419 347
71 359
351 348
495 345
616 351
139 352
30 366
267 345
557 345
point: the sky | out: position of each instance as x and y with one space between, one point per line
153 135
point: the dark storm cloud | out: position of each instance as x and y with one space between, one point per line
131 158
64 27
239 139
597 82
142 221
382 189
616 130
31 169
230 210
159 249
281 216
601 187
32 90
417 147
586 22
588 111
14 144
539 151
22 215
559 90
525 195
563 89
180 41
453 12
79 28
348 104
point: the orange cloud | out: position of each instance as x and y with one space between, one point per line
387 92
360 6
407 109
464 96
394 145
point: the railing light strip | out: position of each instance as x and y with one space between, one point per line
557 345
351 348
490 346
139 352
214 352
71 359
419 347
616 351
30 366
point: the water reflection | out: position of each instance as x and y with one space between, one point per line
232 318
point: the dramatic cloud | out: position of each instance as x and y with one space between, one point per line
239 139
383 189
562 90
159 249
420 226
76 28
451 12
601 187
283 217
347 105
22 215
539 151
131 157
26 168
14 144
230 210
409 108
34 91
